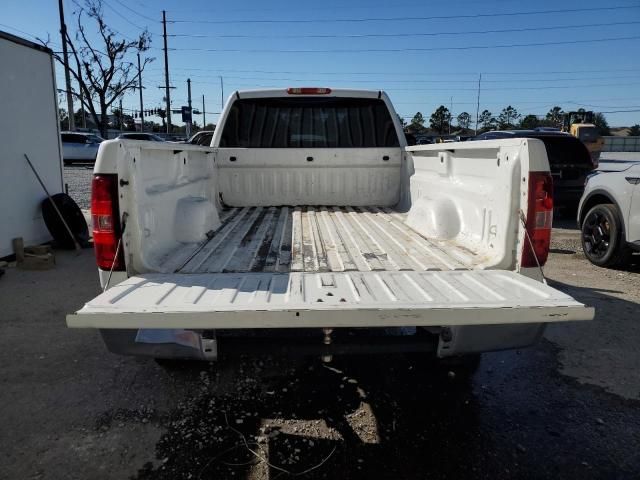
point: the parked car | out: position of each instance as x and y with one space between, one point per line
569 161
79 147
201 138
609 214
150 137
313 228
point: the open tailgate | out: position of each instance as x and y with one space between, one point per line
353 299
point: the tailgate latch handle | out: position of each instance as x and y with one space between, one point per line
123 182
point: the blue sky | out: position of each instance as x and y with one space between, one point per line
428 61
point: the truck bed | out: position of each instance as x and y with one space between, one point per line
322 239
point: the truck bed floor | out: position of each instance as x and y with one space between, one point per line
316 239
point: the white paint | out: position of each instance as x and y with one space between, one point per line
27 94
620 185
195 216
284 176
449 206
259 300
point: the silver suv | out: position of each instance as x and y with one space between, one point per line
609 214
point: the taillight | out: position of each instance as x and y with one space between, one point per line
539 219
308 91
106 222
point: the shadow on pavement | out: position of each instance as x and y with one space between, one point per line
393 417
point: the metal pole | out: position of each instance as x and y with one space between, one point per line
84 113
478 106
450 112
67 76
189 103
221 94
140 88
53 204
166 71
204 115
120 115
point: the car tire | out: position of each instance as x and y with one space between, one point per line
602 236
72 215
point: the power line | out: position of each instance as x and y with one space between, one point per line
138 13
126 20
35 37
434 17
440 73
410 49
377 82
420 34
457 89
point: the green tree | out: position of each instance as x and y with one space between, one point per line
508 117
634 131
554 116
162 114
403 122
529 122
464 120
440 119
417 122
486 120
600 121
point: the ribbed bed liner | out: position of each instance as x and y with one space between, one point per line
316 239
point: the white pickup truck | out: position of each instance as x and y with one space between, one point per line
309 225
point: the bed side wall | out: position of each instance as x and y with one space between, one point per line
471 194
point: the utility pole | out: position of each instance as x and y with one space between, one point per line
166 71
450 112
221 94
84 113
67 76
140 88
478 105
204 114
190 110
121 115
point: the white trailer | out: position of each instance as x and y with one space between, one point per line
28 124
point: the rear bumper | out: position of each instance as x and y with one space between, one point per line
445 342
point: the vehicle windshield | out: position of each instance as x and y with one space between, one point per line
309 122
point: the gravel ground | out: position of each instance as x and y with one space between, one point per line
566 408
78 181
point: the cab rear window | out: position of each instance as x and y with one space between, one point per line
309 122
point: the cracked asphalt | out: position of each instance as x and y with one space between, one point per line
567 408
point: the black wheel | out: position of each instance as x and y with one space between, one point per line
603 236
72 215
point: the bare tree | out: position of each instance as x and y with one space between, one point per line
102 72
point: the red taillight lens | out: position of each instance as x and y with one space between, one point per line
539 219
308 91
106 224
